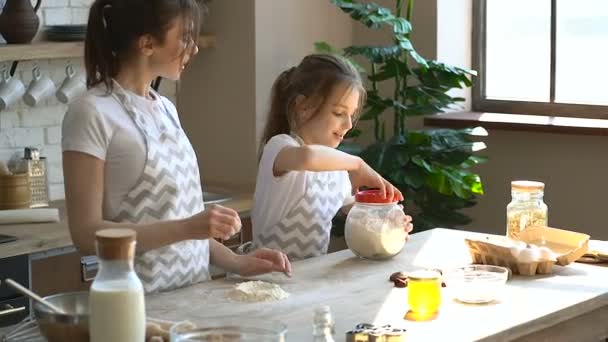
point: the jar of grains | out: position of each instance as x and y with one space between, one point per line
527 207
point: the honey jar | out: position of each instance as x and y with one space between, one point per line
423 295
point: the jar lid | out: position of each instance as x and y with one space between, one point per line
424 274
115 243
374 196
523 185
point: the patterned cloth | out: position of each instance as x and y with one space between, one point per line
169 188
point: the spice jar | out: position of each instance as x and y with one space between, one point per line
375 226
527 207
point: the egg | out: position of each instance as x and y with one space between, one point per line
516 250
530 254
546 254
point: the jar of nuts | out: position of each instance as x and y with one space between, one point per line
527 207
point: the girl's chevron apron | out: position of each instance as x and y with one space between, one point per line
304 231
169 188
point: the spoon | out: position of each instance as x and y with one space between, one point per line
32 295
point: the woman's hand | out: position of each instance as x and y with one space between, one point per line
262 261
215 221
366 176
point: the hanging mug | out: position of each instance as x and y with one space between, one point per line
72 86
39 89
11 90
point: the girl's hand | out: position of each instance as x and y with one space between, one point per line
366 176
215 221
262 261
408 226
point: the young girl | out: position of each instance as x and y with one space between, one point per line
303 180
127 161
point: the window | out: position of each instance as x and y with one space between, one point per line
547 57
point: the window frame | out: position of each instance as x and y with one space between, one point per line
482 104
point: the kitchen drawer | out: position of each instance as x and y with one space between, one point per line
15 268
13 311
59 273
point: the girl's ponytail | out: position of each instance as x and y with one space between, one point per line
280 98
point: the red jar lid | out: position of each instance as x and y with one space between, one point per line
374 196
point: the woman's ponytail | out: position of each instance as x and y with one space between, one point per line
99 57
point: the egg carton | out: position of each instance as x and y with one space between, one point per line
567 247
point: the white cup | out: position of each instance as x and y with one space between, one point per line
39 89
72 86
11 90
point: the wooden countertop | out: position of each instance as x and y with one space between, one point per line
533 308
41 237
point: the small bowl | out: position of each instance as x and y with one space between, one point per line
242 330
71 326
477 284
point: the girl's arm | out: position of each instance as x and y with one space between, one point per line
84 184
314 158
323 158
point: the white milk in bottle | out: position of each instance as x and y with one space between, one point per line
116 299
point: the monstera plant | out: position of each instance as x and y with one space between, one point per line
432 167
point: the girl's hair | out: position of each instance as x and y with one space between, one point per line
115 26
315 78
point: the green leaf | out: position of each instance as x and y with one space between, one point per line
377 54
414 177
373 155
422 163
350 148
324 47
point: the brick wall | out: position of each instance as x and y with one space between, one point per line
40 126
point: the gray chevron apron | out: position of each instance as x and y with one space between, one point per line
304 231
169 188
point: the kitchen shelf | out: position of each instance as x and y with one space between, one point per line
51 50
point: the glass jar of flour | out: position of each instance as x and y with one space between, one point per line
375 226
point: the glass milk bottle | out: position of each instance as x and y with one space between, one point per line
527 207
116 299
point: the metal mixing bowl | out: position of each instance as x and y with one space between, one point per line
71 326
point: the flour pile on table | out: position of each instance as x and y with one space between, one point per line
257 291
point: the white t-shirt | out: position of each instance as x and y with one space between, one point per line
275 196
97 124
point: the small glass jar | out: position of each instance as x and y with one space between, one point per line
375 226
527 207
423 295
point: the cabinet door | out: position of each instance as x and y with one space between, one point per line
59 273
15 268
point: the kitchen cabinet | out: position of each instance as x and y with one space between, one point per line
13 305
58 273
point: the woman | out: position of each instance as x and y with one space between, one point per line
127 161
